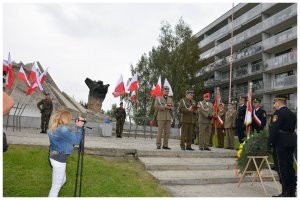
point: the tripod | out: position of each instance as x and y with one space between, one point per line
80 162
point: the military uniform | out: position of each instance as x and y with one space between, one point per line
283 139
229 125
240 119
164 116
46 111
220 128
206 113
259 118
120 115
187 119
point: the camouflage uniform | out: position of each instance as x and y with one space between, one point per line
120 116
46 110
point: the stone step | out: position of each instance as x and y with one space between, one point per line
204 177
224 190
140 134
214 153
157 163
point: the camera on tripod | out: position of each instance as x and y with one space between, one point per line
81 120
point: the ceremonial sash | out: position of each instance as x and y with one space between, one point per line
220 121
256 119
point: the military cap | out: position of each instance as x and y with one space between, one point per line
244 98
166 88
256 100
47 93
189 91
207 94
121 103
281 97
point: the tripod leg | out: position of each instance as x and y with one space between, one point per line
81 171
76 181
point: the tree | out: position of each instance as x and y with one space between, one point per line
177 58
111 113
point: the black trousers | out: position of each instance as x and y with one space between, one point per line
240 130
285 159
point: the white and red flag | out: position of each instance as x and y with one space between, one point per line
5 66
166 83
10 77
133 95
22 76
248 116
42 77
120 88
36 83
32 74
152 90
157 90
133 85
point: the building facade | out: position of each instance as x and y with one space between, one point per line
264 52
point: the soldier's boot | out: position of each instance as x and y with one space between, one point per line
285 192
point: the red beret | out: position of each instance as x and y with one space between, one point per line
206 94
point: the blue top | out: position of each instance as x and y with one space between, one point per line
62 139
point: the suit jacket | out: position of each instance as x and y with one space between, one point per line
261 115
230 117
240 118
159 105
186 115
205 109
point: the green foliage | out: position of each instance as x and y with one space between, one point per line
177 58
27 173
256 145
111 113
84 104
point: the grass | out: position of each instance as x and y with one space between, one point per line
27 173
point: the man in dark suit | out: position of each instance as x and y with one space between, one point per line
259 117
240 118
283 139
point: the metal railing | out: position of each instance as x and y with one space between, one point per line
280 38
282 60
284 82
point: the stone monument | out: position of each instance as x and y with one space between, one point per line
96 95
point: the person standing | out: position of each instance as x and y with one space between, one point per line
240 119
120 115
283 138
164 106
46 111
187 109
229 125
220 125
206 113
259 117
62 141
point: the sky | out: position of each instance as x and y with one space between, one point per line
96 40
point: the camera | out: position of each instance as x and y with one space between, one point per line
81 120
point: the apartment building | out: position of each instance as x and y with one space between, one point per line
264 52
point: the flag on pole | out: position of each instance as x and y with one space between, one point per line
43 76
22 76
5 66
166 83
10 77
248 116
36 83
120 88
133 85
217 102
32 74
133 96
157 90
152 90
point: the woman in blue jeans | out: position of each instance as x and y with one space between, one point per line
62 140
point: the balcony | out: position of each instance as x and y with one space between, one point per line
285 82
248 16
247 52
280 61
280 17
283 37
258 88
215 35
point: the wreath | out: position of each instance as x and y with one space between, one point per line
255 145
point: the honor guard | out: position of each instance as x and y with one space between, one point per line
229 125
240 119
120 115
46 110
283 139
164 106
259 117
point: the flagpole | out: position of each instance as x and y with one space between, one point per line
248 129
215 120
231 58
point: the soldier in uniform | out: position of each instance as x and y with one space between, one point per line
220 125
229 125
240 119
120 115
46 110
282 137
206 113
187 107
164 105
259 117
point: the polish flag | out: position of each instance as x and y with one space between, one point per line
166 83
248 116
32 73
10 77
35 84
5 66
120 88
22 76
43 76
133 85
152 90
157 90
133 96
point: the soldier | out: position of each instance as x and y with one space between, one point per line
240 118
164 105
282 137
259 117
220 125
187 107
206 113
120 115
229 125
46 110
